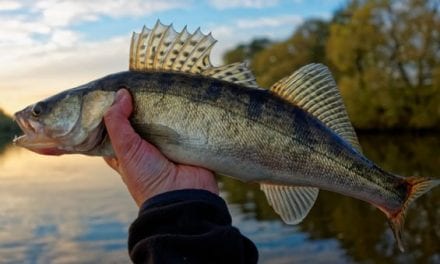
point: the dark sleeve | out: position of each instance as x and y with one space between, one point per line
187 226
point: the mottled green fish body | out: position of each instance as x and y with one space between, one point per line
250 134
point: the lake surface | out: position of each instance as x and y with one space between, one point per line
74 209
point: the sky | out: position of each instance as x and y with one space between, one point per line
49 46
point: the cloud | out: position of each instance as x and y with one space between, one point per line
63 62
45 21
10 5
227 4
291 20
63 13
45 26
42 52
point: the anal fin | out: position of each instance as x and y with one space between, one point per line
292 203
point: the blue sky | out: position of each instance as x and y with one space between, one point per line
50 45
215 13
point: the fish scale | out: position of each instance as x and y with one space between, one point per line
294 139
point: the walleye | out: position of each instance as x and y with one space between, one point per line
294 138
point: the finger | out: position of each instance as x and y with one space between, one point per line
119 129
112 162
124 139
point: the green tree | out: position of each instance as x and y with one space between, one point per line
386 53
7 125
7 130
306 45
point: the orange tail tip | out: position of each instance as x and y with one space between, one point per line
417 187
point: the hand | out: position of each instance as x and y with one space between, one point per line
145 170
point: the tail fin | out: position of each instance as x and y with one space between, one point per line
417 187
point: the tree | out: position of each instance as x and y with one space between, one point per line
306 45
387 52
384 54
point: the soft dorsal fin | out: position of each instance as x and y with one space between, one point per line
292 203
164 49
313 88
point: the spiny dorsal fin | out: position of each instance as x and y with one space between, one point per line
292 203
164 49
313 89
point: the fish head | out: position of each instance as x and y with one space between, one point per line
69 122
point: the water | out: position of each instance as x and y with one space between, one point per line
74 209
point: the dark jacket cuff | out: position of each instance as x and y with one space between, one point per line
187 226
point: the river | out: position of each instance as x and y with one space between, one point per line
74 209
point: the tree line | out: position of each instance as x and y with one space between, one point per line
7 125
8 128
384 55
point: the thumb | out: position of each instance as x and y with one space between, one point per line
119 129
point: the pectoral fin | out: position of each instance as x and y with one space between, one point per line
292 203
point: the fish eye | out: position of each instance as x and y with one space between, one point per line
37 109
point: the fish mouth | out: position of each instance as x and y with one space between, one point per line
34 138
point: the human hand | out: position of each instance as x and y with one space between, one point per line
143 168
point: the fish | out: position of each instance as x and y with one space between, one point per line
294 138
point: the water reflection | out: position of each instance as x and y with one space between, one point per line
75 209
68 209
